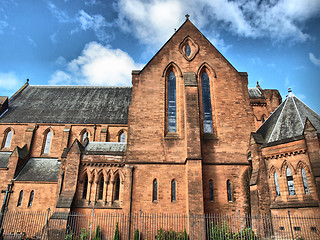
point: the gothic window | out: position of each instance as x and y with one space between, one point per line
155 190
47 139
305 181
61 186
117 189
172 111
122 137
7 139
229 191
211 190
276 183
85 135
173 190
31 198
20 198
206 103
101 183
85 187
290 182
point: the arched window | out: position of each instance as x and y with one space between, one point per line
101 183
173 190
20 198
7 139
290 182
305 181
122 137
85 135
211 190
206 103
155 190
85 187
172 111
47 144
31 198
276 183
117 189
188 50
61 185
229 191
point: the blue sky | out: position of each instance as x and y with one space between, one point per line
97 42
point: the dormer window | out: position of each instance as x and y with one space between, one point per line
7 139
47 144
85 135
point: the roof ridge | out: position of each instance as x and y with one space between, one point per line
275 125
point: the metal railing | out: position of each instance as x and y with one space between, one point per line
140 225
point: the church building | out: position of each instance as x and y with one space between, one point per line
189 136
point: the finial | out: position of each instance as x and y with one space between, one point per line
27 80
187 16
289 90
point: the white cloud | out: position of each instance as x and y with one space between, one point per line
314 60
97 65
9 83
153 21
95 22
61 15
3 25
31 41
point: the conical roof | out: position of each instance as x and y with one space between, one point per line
288 120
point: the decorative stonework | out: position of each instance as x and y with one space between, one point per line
188 48
286 154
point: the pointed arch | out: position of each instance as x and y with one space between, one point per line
85 186
284 166
122 135
84 135
155 190
229 191
7 137
117 188
175 68
120 173
47 140
211 71
31 199
82 175
272 170
300 165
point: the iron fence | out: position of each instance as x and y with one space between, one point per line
140 225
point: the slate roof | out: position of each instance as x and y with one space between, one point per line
4 159
70 104
107 147
255 92
40 170
288 120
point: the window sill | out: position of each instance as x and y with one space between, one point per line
172 136
209 136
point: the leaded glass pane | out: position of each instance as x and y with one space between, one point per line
305 181
155 190
206 102
173 190
117 192
31 199
229 191
290 182
101 183
276 183
188 50
8 139
85 187
211 190
172 118
20 198
48 142
123 137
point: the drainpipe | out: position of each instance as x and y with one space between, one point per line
130 206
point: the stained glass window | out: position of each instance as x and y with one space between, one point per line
188 50
155 190
305 181
122 137
117 191
8 139
172 118
85 187
31 198
290 182
206 103
276 183
20 198
229 191
101 183
211 190
173 190
48 142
